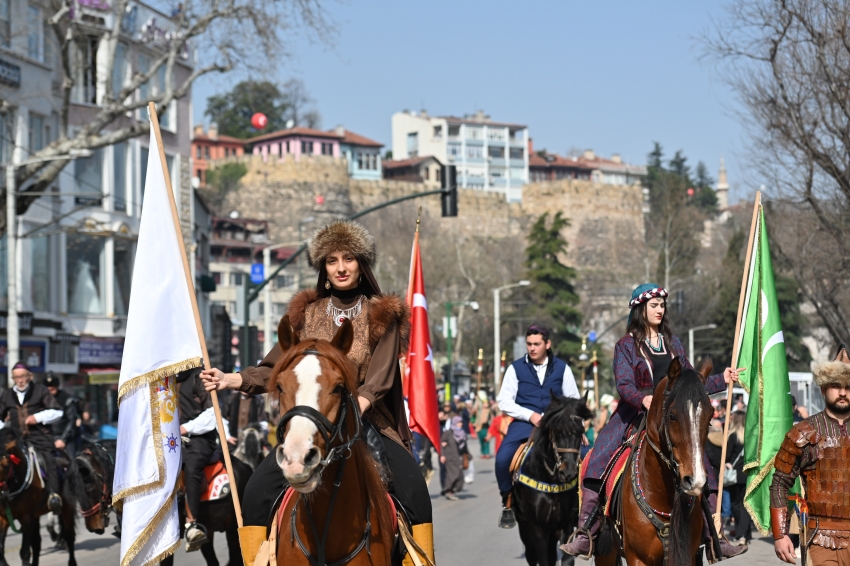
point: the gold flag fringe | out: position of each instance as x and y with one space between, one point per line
156 430
148 531
751 487
155 375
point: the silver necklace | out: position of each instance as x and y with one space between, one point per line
340 315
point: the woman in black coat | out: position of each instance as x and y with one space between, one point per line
735 460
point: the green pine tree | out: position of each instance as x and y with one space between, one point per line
553 291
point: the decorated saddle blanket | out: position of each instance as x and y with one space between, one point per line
216 483
519 476
613 472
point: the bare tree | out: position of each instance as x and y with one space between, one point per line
221 35
789 63
299 102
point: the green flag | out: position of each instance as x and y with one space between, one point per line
761 350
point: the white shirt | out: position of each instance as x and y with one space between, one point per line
47 416
510 385
203 423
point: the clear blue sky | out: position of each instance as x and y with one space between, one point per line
611 76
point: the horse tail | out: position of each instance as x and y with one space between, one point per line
680 530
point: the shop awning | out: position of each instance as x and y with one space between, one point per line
104 376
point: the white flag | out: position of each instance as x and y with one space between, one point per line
161 341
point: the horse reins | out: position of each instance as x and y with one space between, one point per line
560 463
104 505
330 432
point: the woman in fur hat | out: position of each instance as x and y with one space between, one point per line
343 254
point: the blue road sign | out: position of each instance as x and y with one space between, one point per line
258 274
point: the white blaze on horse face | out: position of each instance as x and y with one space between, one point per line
299 440
695 413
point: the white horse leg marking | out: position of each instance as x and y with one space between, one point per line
695 412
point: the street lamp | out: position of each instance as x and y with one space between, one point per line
474 305
267 294
497 338
301 223
691 339
13 342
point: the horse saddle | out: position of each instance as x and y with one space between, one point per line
215 483
613 474
519 456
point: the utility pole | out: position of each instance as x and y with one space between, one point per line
13 344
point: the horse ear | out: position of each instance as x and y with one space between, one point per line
286 335
552 395
705 368
584 397
674 372
344 337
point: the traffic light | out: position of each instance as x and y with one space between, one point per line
449 196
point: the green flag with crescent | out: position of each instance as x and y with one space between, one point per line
762 352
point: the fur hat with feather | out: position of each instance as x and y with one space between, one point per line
836 372
341 236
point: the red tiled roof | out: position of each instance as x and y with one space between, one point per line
220 138
554 160
299 131
390 164
356 139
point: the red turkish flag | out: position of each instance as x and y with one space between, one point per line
420 385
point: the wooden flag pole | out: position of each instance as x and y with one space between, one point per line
735 352
190 287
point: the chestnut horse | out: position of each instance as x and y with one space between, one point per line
340 513
23 498
660 505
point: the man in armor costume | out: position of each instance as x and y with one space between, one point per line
819 449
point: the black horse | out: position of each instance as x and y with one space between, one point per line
90 478
219 516
23 499
250 446
545 495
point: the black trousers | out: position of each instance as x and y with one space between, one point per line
743 521
409 487
43 444
196 455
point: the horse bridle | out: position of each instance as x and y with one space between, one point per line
670 462
330 432
105 503
560 460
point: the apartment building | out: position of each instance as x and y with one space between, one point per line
209 146
489 155
545 166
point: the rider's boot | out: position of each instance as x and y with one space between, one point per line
507 519
251 538
727 549
581 542
54 503
196 536
423 536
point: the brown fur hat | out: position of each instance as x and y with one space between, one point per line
834 372
341 236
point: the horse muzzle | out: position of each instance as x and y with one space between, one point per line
692 486
300 468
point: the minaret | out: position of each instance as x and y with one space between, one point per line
722 187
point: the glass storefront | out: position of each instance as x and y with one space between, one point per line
40 273
123 262
85 268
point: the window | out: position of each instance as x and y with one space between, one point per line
425 172
119 69
198 152
143 163
123 262
206 152
284 281
327 149
517 153
35 33
88 173
475 152
307 147
454 131
85 71
216 275
262 305
144 65
119 174
474 132
279 308
437 174
496 134
37 139
5 19
235 279
413 144
287 149
496 152
454 150
231 309
438 132
40 273
85 274
200 175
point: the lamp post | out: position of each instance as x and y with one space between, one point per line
267 294
474 305
691 339
13 341
301 224
583 359
497 337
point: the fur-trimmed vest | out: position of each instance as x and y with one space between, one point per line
379 315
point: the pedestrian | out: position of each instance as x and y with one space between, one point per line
815 448
482 423
641 360
453 443
498 426
343 254
527 390
65 430
738 488
463 413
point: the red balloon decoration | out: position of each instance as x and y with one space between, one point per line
259 120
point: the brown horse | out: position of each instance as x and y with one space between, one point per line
340 513
23 498
90 478
660 503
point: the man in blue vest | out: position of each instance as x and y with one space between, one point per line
524 395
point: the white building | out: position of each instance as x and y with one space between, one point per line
490 156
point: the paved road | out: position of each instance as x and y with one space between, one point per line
465 533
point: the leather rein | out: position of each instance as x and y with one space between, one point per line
104 505
330 432
560 458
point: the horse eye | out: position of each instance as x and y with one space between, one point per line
279 389
673 417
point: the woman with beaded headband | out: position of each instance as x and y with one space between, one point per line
641 360
343 253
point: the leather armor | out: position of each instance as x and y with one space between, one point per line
828 483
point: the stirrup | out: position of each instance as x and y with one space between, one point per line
589 538
193 545
507 520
